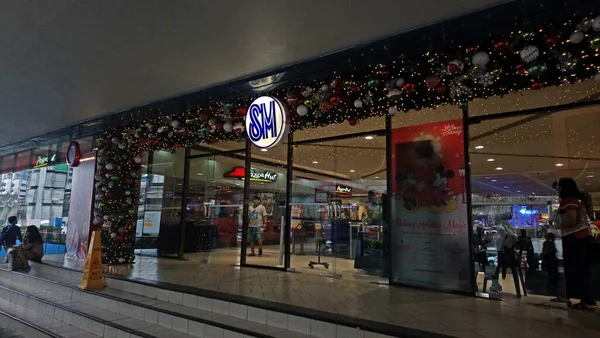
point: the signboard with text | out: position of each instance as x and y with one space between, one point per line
266 122
430 241
255 175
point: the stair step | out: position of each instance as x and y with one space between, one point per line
33 324
266 319
143 315
93 320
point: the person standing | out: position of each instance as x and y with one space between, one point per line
258 221
10 234
576 240
550 261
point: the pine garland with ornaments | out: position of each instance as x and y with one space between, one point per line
550 55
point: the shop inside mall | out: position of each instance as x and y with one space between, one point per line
338 189
411 172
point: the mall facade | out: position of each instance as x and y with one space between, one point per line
394 173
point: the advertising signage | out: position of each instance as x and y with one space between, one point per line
255 175
266 122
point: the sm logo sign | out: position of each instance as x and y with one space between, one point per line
266 122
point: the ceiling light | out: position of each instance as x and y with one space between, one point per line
493 180
559 164
490 160
368 137
518 190
315 162
352 170
376 177
479 147
265 150
590 176
499 168
505 187
200 174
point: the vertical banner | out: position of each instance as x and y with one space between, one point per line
80 208
430 241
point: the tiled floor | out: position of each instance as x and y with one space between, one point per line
431 311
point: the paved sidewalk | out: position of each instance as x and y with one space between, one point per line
456 315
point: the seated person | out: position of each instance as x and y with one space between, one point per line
10 234
32 248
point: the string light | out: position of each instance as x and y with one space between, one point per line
406 85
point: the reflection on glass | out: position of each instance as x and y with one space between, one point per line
338 226
158 227
517 242
214 207
267 206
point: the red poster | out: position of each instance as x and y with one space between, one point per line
80 208
429 214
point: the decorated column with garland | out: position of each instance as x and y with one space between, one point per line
552 54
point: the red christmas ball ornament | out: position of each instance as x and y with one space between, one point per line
325 106
408 88
292 100
108 195
441 90
537 85
242 111
353 122
353 89
456 66
501 46
128 181
432 81
335 100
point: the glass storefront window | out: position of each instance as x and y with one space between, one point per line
514 162
267 206
8 162
37 191
338 221
214 206
530 99
159 215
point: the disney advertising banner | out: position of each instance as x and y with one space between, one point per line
430 238
80 208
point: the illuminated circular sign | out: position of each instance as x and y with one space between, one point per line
73 154
266 122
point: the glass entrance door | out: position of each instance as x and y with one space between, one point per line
213 209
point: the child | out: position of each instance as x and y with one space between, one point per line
551 264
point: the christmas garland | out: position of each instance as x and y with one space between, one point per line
551 55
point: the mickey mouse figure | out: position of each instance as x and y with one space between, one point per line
443 197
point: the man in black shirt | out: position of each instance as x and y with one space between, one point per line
10 234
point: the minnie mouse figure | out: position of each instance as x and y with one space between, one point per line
443 197
409 191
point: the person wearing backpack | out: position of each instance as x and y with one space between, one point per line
576 241
9 235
